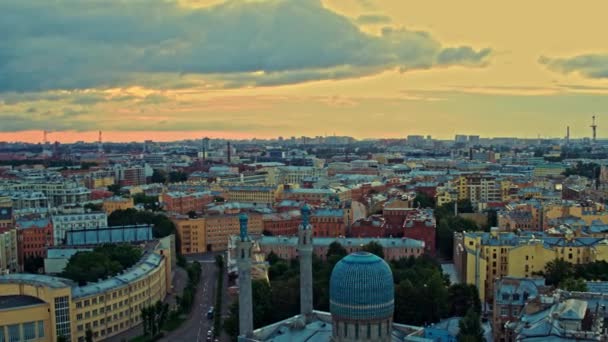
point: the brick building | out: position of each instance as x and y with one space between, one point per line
393 248
33 238
183 203
282 224
328 223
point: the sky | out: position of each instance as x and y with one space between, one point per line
169 70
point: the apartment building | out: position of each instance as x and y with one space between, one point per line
480 258
219 228
192 234
67 222
9 257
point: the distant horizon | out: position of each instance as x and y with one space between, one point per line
68 137
245 69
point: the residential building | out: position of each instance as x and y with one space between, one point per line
130 175
297 174
511 295
561 316
184 203
34 236
9 257
310 196
6 218
219 228
328 223
282 224
252 194
393 248
549 170
66 222
192 234
478 188
480 258
112 204
42 308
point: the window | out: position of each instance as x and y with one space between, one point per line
2 337
40 329
14 333
29 331
62 316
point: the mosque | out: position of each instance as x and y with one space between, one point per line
361 299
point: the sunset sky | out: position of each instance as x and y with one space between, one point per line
168 70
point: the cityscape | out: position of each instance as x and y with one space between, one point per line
303 171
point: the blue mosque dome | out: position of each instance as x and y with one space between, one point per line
361 288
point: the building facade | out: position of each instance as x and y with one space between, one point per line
192 234
42 308
67 222
34 237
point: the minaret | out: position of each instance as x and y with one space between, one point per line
305 255
244 266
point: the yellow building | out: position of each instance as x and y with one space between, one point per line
220 228
192 234
112 204
8 252
481 258
100 182
252 194
595 212
445 195
37 307
549 170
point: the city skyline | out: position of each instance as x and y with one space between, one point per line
241 69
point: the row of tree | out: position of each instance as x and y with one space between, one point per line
219 294
154 317
161 225
423 294
571 277
104 261
161 176
448 223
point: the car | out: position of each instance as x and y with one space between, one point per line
210 313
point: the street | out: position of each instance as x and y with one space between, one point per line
196 326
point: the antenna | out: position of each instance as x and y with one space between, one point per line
594 128
99 144
567 135
44 136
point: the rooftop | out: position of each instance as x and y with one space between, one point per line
17 301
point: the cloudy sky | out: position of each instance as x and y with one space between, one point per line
168 69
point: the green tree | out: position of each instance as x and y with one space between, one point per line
336 249
272 258
374 248
92 207
104 261
461 298
177 176
572 284
33 264
161 225
557 270
470 328
158 176
115 188
424 200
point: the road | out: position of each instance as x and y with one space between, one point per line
196 327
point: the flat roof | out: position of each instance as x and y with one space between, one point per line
17 301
